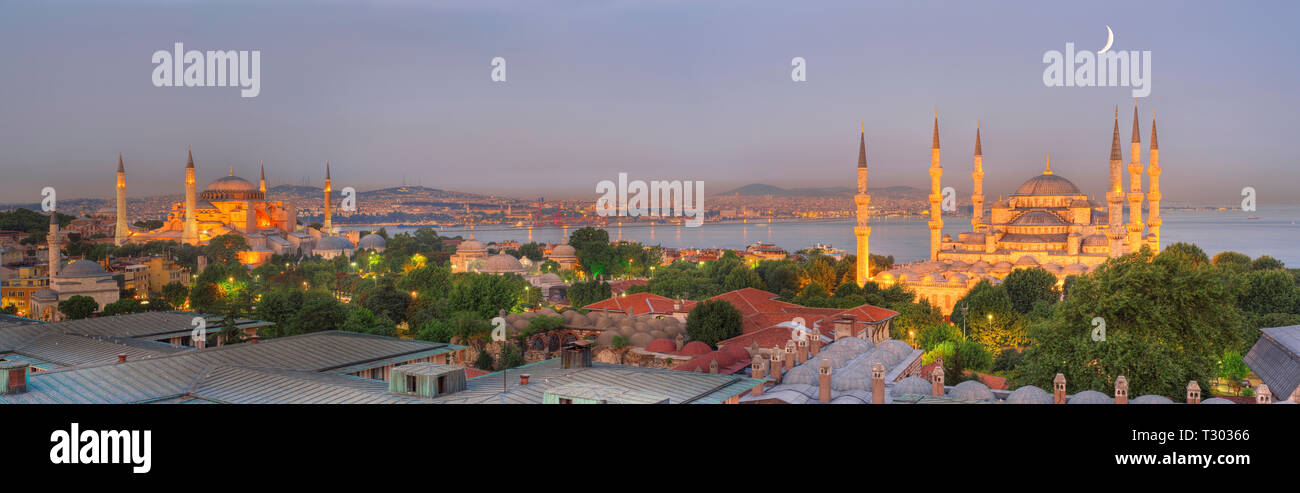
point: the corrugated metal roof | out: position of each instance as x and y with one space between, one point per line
680 387
1274 358
169 376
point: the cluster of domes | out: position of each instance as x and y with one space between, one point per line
638 331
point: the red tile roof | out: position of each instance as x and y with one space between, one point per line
640 303
618 287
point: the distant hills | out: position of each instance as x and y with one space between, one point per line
759 189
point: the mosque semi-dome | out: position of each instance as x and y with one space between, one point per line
564 250
1048 184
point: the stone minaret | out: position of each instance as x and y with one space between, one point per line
53 244
1135 226
1153 204
1115 195
863 200
120 231
261 184
977 195
191 233
328 227
936 171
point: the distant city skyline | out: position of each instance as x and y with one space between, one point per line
660 90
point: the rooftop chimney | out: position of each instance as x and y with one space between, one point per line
256 338
844 326
815 342
1121 390
802 347
680 340
14 376
523 378
1058 389
121 357
789 356
758 370
824 381
936 379
1263 395
713 366
877 384
576 354
1193 392
776 367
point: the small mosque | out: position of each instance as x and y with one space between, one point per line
232 204
1046 223
76 278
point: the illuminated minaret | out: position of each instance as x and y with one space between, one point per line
191 233
261 185
1115 195
328 223
977 196
1153 197
936 171
863 200
120 231
52 242
1135 226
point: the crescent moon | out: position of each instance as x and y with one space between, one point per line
1110 39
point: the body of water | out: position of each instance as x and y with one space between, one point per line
1276 232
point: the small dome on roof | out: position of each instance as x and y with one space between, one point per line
1091 397
1152 399
550 278
82 268
333 243
982 263
1095 240
696 348
471 245
972 390
1003 265
372 241
1074 269
1026 260
45 294
1217 400
661 345
912 385
1029 394
736 351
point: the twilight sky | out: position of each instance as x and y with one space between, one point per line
660 90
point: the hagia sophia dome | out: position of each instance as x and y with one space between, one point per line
231 188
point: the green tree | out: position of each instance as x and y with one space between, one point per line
1167 321
1268 291
124 306
78 307
585 293
511 356
1230 258
225 249
175 294
713 321
1265 262
1028 286
361 319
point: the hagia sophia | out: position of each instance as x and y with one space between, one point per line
1047 222
232 204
